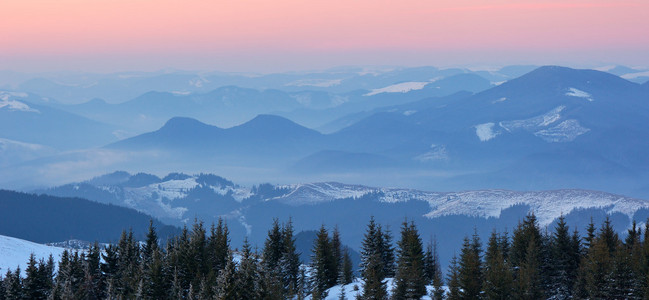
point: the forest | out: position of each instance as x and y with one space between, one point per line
199 263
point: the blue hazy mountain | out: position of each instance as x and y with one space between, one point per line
580 128
231 105
264 137
35 123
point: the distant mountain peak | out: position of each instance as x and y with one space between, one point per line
265 123
183 123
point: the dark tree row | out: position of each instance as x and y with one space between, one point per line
199 264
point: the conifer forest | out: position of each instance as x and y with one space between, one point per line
528 263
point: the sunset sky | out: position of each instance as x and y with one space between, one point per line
281 35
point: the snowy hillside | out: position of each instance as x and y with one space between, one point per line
178 198
546 205
15 252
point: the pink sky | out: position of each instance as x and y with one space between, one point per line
253 35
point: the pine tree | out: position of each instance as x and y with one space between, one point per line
384 239
470 268
347 274
13 285
2 288
453 280
290 261
590 235
197 259
530 283
323 265
437 278
598 267
623 277
272 255
527 241
409 278
565 262
218 245
33 282
498 282
337 255
247 279
226 282
374 287
128 254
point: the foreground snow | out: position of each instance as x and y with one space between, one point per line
15 252
355 289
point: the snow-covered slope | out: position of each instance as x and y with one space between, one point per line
546 205
15 252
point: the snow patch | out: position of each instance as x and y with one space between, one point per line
565 131
436 153
502 99
315 82
580 94
485 131
534 123
403 87
311 193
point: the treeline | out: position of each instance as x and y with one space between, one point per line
200 264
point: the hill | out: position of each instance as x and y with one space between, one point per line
43 218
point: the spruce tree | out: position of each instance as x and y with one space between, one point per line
598 266
528 274
530 282
410 279
226 287
453 280
2 288
564 262
218 246
437 278
13 285
623 277
470 268
33 282
323 265
498 283
384 238
346 274
247 280
336 254
374 287
290 261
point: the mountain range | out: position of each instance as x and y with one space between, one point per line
550 128
448 216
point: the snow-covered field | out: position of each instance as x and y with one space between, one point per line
15 252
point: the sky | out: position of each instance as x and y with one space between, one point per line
283 35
